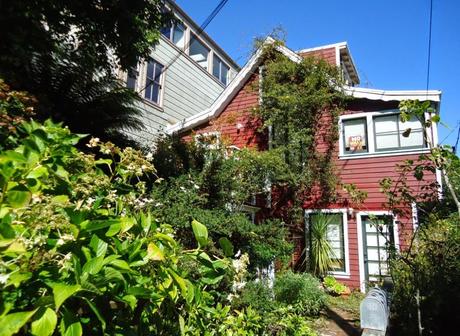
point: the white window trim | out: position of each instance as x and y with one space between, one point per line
371 139
344 212
359 224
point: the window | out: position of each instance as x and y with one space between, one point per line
131 79
199 52
391 133
334 235
355 136
378 240
153 81
380 132
220 70
175 33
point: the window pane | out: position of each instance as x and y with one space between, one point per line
131 79
166 31
386 141
216 67
179 35
198 52
386 124
355 136
224 74
415 139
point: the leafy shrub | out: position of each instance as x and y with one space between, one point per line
300 290
433 268
334 287
256 294
80 252
285 321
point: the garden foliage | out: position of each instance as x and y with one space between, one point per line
81 253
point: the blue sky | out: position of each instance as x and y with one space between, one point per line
388 39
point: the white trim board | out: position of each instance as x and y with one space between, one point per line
359 227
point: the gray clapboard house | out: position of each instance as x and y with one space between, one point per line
188 72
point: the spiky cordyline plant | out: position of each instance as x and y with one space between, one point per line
321 252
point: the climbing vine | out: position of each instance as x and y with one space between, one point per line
298 100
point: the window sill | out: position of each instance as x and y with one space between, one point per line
383 154
152 104
340 275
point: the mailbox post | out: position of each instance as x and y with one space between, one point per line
374 313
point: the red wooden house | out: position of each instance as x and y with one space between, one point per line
371 120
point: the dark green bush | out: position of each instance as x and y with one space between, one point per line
433 268
301 290
258 295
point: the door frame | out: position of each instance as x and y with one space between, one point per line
359 224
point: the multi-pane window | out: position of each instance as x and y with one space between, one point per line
378 236
198 51
391 133
153 81
175 33
355 136
220 70
334 235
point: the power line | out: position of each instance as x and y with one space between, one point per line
203 26
429 48
456 141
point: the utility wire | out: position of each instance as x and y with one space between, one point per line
456 141
203 26
429 48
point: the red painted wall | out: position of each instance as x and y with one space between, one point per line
328 55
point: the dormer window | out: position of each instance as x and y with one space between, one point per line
220 70
199 52
175 33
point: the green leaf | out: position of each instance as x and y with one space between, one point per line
180 282
45 325
201 233
436 118
19 196
11 323
94 265
98 246
154 252
97 313
121 264
62 292
74 329
38 172
131 301
226 246
60 199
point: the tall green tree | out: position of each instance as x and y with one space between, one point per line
67 52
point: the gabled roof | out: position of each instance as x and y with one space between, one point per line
251 67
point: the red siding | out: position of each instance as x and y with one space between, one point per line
329 55
237 124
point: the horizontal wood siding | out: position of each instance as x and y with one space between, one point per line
237 124
327 54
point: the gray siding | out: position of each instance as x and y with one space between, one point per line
187 90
